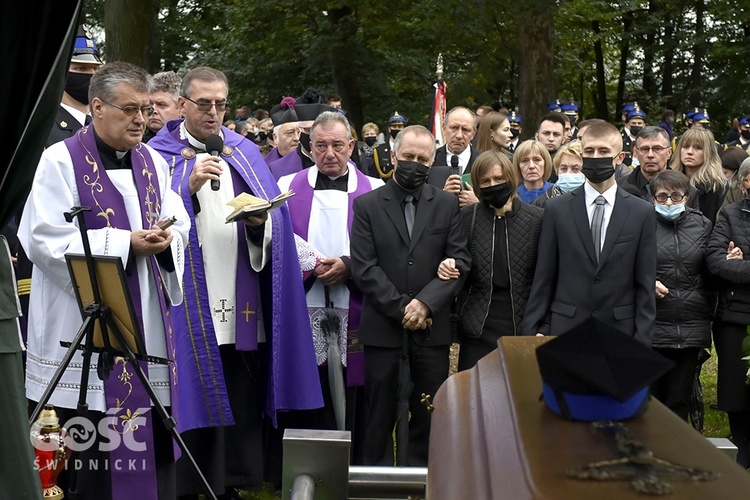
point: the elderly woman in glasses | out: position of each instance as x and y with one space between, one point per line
729 243
683 302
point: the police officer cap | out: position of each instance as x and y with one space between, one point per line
702 116
84 49
628 107
569 108
593 373
395 117
514 117
690 114
636 113
555 106
745 120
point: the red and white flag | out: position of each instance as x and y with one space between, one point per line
438 112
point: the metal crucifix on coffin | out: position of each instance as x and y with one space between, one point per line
647 473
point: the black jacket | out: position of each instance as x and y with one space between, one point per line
683 316
732 224
523 225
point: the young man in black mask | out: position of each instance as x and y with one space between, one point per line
400 234
74 109
597 252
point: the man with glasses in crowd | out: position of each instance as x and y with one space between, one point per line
243 334
652 150
105 166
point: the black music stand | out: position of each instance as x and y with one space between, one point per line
102 332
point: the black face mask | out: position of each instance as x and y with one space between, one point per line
370 141
304 140
411 175
598 170
496 195
514 132
77 86
635 130
745 134
394 133
262 136
251 136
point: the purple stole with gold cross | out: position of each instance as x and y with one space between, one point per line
125 398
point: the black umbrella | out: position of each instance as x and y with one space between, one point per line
330 325
405 388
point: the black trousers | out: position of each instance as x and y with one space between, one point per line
230 456
675 387
429 369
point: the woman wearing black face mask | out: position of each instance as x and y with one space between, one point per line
370 133
503 235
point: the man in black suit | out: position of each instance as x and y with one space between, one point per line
597 252
396 250
459 128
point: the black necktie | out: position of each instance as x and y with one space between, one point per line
454 165
596 225
409 211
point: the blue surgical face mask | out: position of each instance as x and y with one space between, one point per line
670 212
569 182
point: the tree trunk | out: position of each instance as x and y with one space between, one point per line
131 31
627 30
699 50
649 55
344 58
537 83
600 99
667 83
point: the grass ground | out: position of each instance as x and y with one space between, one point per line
715 423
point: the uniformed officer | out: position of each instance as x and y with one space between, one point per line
570 109
74 109
744 139
516 127
381 155
636 120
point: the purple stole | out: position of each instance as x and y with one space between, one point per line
292 374
122 390
300 207
272 156
291 163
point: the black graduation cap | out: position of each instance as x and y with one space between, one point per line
595 373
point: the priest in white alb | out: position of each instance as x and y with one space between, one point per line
321 215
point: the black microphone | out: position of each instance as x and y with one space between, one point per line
454 165
454 168
214 145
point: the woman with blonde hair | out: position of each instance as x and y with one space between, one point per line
568 163
696 157
503 239
494 133
534 164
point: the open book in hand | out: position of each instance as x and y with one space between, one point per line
246 205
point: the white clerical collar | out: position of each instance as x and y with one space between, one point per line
77 114
184 134
463 158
